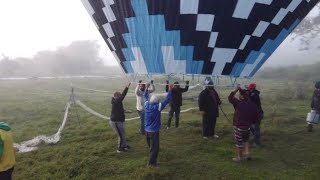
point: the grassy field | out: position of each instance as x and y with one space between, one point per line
34 107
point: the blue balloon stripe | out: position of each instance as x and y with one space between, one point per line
269 49
194 36
148 33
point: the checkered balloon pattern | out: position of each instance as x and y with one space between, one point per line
209 37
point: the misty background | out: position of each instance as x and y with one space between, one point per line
91 57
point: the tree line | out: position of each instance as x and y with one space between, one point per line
79 58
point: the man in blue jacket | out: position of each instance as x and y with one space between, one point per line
152 122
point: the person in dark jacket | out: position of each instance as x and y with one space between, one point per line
208 105
254 96
176 102
245 115
117 118
152 123
315 102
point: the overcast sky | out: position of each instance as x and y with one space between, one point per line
29 26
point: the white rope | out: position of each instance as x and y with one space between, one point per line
88 89
88 109
183 111
91 111
102 91
32 144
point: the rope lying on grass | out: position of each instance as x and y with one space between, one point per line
32 144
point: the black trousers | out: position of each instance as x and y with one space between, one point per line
153 142
6 175
176 111
208 124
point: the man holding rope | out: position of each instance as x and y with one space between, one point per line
140 108
245 115
153 108
254 96
208 105
176 102
117 118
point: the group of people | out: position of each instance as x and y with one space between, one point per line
247 117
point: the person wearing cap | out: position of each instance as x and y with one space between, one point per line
117 118
208 102
153 108
176 101
315 102
245 115
7 157
140 108
254 96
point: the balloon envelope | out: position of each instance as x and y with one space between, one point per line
209 37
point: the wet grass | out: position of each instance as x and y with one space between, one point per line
34 107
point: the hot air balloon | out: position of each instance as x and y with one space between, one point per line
199 37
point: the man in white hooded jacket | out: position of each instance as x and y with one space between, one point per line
140 105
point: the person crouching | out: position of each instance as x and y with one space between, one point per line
152 122
118 117
245 115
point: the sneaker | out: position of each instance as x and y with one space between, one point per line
247 157
236 159
127 148
205 137
152 165
120 150
216 136
256 145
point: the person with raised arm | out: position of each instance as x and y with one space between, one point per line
117 119
139 105
176 102
245 115
153 108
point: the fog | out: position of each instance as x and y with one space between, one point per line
78 58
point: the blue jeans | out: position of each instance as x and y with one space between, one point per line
141 114
153 142
119 129
176 111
